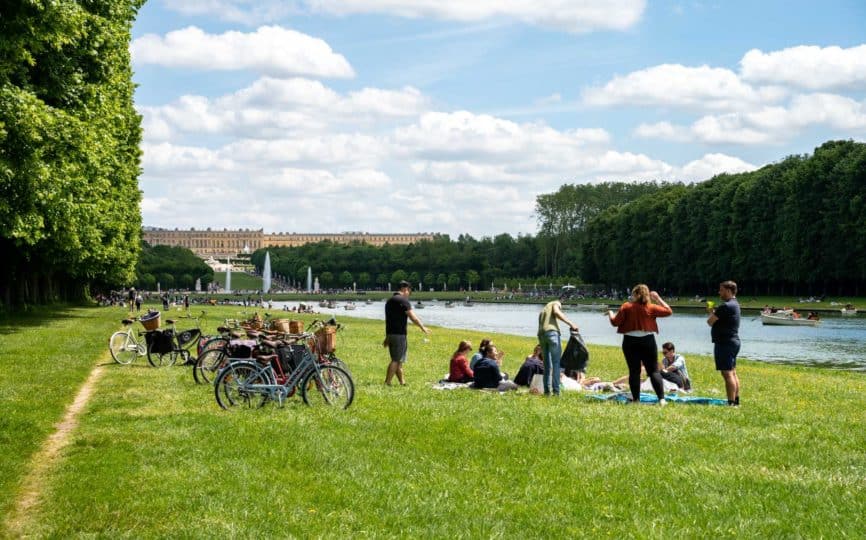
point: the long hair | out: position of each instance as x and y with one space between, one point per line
462 347
482 347
641 292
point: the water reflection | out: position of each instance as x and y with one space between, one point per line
837 342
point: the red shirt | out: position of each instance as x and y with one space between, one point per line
459 370
640 317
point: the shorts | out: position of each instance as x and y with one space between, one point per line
398 346
725 354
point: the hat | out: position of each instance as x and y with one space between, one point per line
404 285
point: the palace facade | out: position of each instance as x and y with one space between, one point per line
228 243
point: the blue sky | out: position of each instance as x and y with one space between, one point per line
452 116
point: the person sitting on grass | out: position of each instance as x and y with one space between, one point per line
478 355
488 373
674 369
531 366
459 370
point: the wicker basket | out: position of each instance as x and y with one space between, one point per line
281 325
326 339
296 327
150 321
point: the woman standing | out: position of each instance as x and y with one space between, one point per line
636 320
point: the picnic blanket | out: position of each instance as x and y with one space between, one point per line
446 385
623 397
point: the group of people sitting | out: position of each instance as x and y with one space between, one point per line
484 370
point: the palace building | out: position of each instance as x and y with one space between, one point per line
227 243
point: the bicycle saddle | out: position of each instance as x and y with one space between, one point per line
266 358
170 321
126 321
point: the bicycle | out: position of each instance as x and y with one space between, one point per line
252 383
213 351
124 346
166 345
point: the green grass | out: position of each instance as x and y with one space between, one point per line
154 456
241 281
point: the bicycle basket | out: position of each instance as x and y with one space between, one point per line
281 325
241 348
326 339
290 357
150 321
160 341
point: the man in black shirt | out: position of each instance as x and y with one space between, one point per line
397 310
725 327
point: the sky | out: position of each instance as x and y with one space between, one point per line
452 116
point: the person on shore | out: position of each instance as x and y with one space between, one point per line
636 321
138 301
724 323
478 355
130 299
488 373
551 343
397 310
458 370
674 367
531 366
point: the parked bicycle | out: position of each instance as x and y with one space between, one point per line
124 344
165 346
300 363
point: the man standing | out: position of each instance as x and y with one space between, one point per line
397 310
551 343
725 323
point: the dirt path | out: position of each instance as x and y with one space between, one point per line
48 456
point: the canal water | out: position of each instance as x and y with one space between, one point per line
837 342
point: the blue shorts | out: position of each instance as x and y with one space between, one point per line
725 354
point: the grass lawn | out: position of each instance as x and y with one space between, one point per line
154 456
241 281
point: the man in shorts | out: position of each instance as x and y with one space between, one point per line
724 321
397 310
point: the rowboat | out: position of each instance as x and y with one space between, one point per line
776 319
849 311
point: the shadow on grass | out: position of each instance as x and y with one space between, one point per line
12 323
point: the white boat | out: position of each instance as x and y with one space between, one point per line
784 319
449 303
849 311
349 306
419 305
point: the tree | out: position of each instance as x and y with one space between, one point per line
429 279
326 279
442 280
346 279
472 278
397 277
453 282
69 150
364 279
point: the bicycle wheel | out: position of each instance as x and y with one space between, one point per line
232 386
123 348
334 361
207 365
161 359
331 386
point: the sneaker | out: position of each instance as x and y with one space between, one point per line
663 402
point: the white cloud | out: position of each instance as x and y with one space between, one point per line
678 86
273 108
809 67
712 164
270 50
768 124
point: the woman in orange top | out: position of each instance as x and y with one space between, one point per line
459 370
636 320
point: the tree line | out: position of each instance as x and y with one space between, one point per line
172 267
794 227
69 149
442 263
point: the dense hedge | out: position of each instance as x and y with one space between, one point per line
795 227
